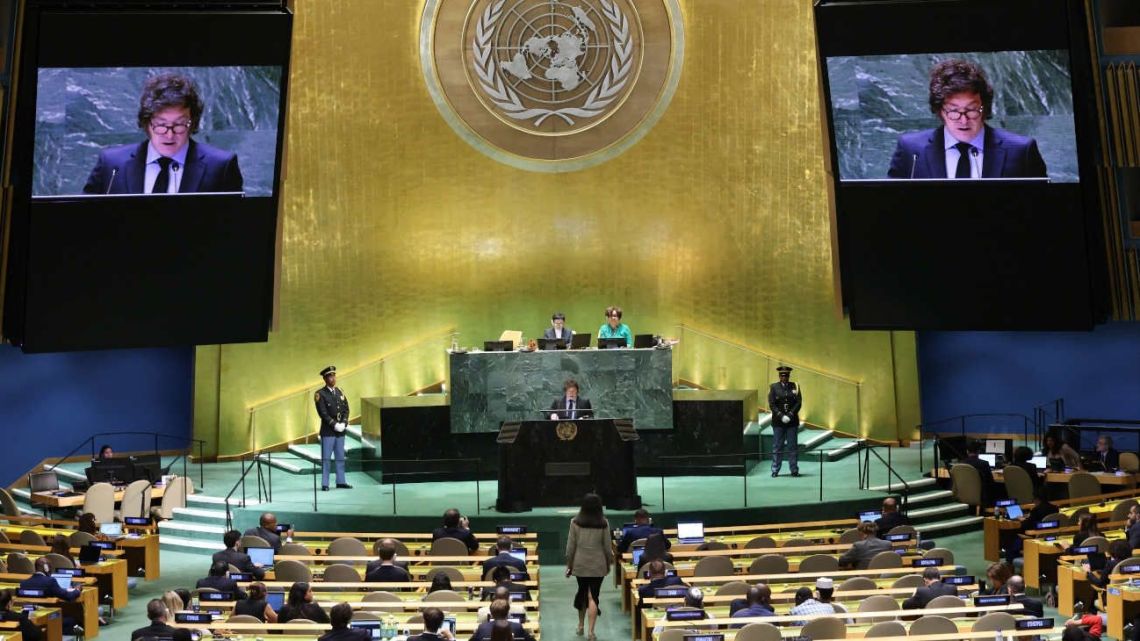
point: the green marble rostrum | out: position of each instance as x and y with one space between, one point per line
488 388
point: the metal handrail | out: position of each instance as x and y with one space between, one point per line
865 480
91 439
396 475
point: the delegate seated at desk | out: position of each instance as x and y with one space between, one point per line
558 328
570 406
614 328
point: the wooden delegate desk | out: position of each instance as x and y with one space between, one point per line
1123 604
465 625
110 575
1106 478
1072 586
965 635
56 500
48 620
85 609
418 543
139 551
417 567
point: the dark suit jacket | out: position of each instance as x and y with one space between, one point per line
926 594
239 560
483 632
387 574
889 521
28 630
1133 534
207 169
582 407
221 584
456 533
1110 459
1033 472
1032 607
272 538
425 636
346 634
922 154
861 552
40 581
566 334
640 532
781 398
504 559
157 630
649 589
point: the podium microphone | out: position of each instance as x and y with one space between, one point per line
913 164
974 160
111 182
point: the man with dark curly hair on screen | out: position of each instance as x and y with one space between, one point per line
964 147
169 161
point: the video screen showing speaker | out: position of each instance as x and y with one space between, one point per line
110 130
146 169
960 142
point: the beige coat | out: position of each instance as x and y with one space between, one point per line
588 551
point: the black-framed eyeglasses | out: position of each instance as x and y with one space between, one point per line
970 114
178 128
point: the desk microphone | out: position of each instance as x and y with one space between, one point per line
974 160
913 164
111 183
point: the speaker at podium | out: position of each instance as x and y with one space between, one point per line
554 463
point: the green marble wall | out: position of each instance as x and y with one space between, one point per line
488 388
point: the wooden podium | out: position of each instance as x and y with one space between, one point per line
549 463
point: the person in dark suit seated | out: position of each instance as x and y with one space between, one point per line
502 579
933 587
499 611
1022 457
861 552
642 528
658 578
28 630
1107 455
1118 550
159 628
558 328
570 405
340 616
964 146
504 558
759 603
267 529
456 526
219 580
41 580
433 620
387 571
1132 527
233 555
391 543
891 517
169 161
1030 606
985 472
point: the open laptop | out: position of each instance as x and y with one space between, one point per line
113 530
43 482
276 600
989 458
611 343
261 556
691 531
580 341
1014 511
64 580
1039 462
371 627
637 552
643 341
519 553
871 516
551 343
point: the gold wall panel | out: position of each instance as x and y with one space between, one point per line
395 229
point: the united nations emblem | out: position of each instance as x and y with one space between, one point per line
552 85
566 430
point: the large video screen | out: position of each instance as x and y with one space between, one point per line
145 172
961 141
105 130
901 116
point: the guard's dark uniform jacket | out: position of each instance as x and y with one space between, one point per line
332 407
784 400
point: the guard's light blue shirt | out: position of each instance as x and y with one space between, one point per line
622 331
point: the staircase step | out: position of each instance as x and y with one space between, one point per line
897 487
291 463
927 497
64 473
815 440
848 447
191 529
183 544
200 515
950 526
205 499
938 511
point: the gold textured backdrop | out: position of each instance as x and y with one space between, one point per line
394 229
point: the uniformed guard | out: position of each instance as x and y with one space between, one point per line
332 407
784 402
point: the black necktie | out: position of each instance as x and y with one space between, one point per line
162 183
570 406
963 170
